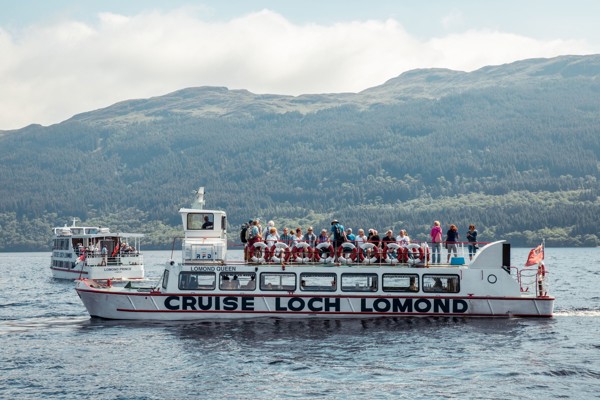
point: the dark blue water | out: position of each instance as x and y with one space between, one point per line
51 349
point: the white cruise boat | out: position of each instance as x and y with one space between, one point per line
95 253
204 285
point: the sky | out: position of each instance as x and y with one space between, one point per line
63 57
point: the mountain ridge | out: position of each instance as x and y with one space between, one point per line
512 148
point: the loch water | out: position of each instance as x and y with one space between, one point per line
50 348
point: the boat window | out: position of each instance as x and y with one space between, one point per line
359 282
441 283
196 280
278 281
237 281
76 231
400 282
165 279
91 231
318 282
200 221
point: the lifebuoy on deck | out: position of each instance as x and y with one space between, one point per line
347 248
391 256
372 252
281 252
299 248
325 252
415 253
261 248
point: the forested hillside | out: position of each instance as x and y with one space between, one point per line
513 149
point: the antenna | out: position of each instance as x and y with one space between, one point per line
199 200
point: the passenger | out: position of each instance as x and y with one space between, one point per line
251 284
472 238
436 242
207 224
104 253
402 239
388 238
272 238
254 236
298 238
286 237
302 283
310 237
270 225
413 285
374 238
451 239
350 236
338 234
322 238
360 238
235 283
438 284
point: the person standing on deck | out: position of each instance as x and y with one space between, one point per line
436 242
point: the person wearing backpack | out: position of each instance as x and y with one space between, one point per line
338 234
436 242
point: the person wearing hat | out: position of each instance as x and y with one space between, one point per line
337 234
323 238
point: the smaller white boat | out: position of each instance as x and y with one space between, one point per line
96 253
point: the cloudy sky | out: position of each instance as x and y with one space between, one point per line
62 57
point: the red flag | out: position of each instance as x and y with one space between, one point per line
535 256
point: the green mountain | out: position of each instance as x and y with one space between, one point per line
511 148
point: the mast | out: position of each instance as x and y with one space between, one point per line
198 202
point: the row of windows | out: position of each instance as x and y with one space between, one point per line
63 264
318 282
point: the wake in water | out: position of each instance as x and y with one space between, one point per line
583 312
36 324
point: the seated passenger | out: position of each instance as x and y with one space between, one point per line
251 284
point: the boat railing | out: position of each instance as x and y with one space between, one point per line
533 280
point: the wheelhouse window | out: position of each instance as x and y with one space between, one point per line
197 281
400 282
359 282
237 281
285 281
318 282
200 221
441 283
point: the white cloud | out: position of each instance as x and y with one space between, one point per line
49 73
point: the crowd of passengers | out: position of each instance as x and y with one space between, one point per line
337 235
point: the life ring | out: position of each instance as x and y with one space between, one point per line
261 247
325 248
346 248
357 255
370 248
301 247
542 270
391 257
281 252
414 253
